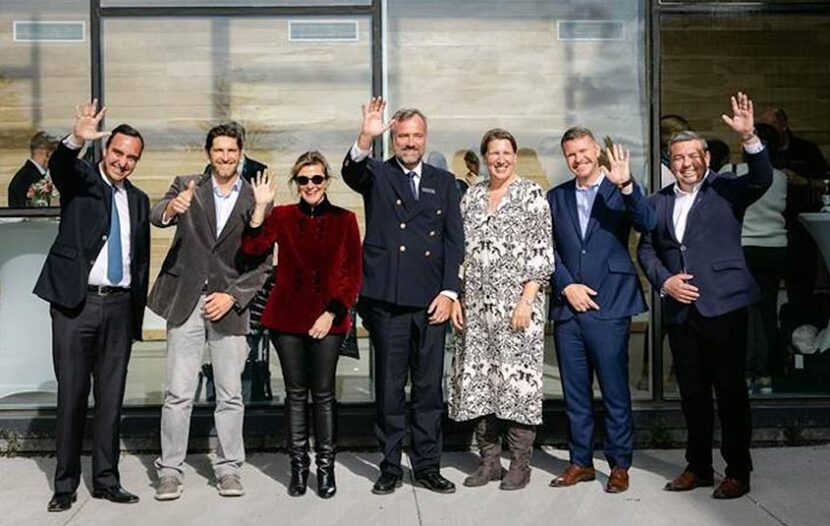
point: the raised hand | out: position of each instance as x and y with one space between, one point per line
373 125
264 185
181 203
743 115
620 162
86 122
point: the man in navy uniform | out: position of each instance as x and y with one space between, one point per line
412 251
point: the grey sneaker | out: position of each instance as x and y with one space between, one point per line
169 488
231 486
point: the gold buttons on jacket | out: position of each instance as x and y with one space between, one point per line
403 226
427 253
432 233
403 248
399 202
439 212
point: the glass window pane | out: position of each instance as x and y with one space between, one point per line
174 78
44 73
783 62
536 69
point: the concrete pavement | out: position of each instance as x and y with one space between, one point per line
788 488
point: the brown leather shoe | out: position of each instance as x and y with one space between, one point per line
572 475
618 481
688 481
731 489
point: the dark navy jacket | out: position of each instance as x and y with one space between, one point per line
601 260
711 248
412 250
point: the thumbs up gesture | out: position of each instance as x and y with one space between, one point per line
181 203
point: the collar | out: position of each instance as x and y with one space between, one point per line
237 185
318 210
118 186
418 169
593 186
40 168
680 193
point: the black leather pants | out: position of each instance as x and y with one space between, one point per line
309 364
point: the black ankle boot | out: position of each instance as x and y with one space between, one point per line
326 486
299 476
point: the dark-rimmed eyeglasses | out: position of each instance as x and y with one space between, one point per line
303 180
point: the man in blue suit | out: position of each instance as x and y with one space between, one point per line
412 250
694 258
595 293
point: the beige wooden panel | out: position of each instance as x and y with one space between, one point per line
779 60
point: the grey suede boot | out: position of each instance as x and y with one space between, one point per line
520 440
489 446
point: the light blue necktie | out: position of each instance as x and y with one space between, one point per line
412 187
115 267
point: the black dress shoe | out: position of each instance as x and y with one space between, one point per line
62 501
386 483
435 482
115 494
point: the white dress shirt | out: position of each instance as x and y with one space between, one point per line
98 274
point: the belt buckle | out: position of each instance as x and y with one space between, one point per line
101 290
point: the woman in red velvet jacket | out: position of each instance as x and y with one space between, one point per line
317 281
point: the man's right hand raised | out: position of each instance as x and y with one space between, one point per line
86 122
373 125
181 203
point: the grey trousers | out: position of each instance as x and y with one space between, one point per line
185 348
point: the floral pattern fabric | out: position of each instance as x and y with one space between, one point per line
497 370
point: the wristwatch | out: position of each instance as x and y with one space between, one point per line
623 185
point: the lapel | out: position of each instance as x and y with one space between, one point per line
698 204
668 212
133 205
569 190
244 201
204 199
400 184
604 195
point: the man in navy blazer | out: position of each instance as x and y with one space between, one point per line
694 258
95 280
412 250
595 291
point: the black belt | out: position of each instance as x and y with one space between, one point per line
105 290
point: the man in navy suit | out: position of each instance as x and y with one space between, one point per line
694 258
595 293
412 250
95 280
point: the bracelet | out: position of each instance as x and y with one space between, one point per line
749 136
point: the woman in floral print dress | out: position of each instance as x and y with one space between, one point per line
497 369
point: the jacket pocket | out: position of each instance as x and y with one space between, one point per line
621 266
728 264
66 251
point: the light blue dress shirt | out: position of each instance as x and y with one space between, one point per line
585 197
224 203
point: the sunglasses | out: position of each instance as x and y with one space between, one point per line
302 180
